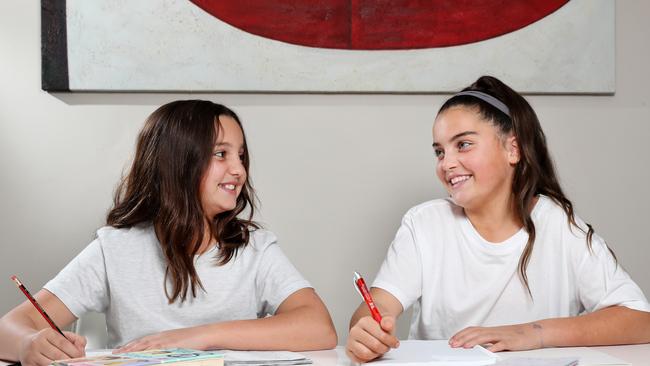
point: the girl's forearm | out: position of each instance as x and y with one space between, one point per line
609 326
301 329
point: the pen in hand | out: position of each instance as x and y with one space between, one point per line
37 305
360 285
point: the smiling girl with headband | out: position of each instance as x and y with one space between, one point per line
503 261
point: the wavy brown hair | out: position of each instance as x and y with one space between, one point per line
161 189
534 173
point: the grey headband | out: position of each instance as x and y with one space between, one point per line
487 98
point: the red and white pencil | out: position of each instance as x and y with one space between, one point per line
37 305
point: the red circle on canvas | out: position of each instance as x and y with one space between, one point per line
379 24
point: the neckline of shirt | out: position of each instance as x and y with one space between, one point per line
208 254
513 244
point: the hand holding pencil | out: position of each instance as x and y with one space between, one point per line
43 346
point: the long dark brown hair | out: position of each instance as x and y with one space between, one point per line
161 189
534 173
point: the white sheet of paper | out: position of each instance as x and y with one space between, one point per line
438 352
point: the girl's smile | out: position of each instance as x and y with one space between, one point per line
457 180
229 187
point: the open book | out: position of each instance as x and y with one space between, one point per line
175 357
438 352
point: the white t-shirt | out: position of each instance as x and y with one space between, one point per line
121 274
439 263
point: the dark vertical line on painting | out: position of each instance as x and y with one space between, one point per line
54 46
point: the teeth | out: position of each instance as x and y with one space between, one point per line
459 179
229 186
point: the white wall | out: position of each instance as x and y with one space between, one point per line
334 173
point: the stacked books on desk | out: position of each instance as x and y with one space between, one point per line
264 358
175 357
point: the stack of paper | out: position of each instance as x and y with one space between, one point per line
586 356
264 358
529 361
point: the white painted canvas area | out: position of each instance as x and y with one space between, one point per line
172 45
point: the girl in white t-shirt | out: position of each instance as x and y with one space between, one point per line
177 266
503 261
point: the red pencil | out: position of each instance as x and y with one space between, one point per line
37 305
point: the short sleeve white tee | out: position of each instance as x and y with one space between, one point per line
121 273
454 278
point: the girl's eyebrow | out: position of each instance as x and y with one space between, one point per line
226 144
457 136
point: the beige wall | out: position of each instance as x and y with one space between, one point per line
334 173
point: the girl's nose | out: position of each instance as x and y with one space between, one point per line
448 162
237 168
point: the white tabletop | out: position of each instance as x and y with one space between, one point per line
635 355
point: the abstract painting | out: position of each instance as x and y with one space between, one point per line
327 46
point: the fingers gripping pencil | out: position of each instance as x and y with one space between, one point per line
36 305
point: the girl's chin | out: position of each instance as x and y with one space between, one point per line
459 200
222 209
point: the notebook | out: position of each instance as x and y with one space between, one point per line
438 352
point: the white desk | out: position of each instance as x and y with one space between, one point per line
635 355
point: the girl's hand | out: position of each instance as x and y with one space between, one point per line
368 339
517 337
47 345
176 338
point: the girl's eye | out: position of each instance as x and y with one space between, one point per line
219 154
241 157
463 145
439 153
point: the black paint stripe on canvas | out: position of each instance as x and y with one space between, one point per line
54 46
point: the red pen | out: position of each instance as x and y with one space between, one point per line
360 285
37 305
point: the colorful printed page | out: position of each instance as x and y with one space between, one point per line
146 358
